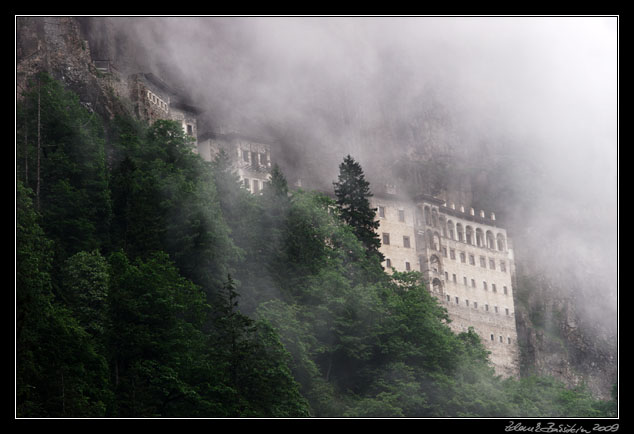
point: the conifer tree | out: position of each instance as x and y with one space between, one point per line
353 193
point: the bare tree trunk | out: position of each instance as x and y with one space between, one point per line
329 368
39 147
63 395
26 153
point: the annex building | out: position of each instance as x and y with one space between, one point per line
466 261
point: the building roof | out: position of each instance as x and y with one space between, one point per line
179 101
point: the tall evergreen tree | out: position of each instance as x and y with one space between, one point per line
353 193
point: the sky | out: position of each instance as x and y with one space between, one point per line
540 91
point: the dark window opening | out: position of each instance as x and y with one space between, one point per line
386 238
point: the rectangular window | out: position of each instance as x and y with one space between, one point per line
446 276
486 307
473 283
467 302
452 254
463 257
401 215
509 341
492 264
245 156
503 266
388 263
263 160
471 259
496 309
475 304
256 186
444 252
246 184
507 311
454 278
506 291
465 280
484 285
501 339
457 300
448 297
407 266
386 238
382 211
492 337
494 288
483 262
254 158
406 242
190 130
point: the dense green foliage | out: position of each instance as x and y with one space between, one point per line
353 191
149 283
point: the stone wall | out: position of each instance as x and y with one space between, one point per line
472 278
251 158
390 210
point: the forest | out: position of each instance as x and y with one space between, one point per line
150 283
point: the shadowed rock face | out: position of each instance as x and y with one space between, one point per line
56 45
558 338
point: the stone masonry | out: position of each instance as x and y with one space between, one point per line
466 262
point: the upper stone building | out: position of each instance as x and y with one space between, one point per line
251 157
466 261
154 99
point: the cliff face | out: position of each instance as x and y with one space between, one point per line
559 337
56 45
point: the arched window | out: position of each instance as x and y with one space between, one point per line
434 217
427 216
469 235
460 232
429 237
451 229
501 243
479 237
443 226
437 286
490 240
436 243
435 264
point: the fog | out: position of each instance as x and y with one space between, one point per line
535 96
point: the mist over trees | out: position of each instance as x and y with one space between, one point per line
150 284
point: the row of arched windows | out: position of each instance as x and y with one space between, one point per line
459 232
154 99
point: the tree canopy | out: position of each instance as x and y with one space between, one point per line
353 193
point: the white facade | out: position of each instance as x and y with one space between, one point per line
466 262
251 158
